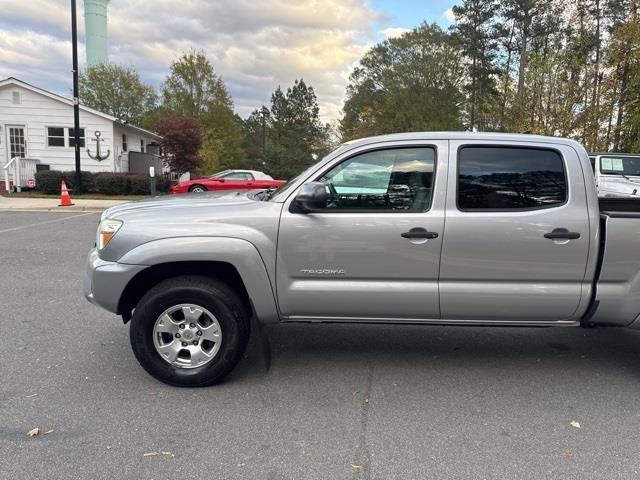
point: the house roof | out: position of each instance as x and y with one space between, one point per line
67 101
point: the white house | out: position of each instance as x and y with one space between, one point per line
38 125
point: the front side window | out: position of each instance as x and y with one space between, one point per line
620 165
55 136
398 179
504 178
72 138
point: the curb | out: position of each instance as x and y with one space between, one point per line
56 210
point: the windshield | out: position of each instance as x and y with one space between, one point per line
620 165
284 188
289 184
220 174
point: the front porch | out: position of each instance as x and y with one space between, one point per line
17 174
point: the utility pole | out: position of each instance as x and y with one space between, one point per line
76 98
264 115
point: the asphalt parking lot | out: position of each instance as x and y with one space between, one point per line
339 402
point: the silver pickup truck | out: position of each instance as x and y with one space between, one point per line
420 228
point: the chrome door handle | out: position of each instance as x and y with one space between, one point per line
561 234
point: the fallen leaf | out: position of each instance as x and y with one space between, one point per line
354 392
575 424
47 432
32 395
33 432
567 454
366 400
156 454
356 468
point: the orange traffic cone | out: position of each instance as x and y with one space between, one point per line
65 199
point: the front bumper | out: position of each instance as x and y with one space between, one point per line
104 282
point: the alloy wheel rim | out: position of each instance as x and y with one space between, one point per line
187 336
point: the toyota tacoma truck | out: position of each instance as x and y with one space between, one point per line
415 228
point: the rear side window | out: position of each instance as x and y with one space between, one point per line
505 178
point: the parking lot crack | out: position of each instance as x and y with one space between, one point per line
363 451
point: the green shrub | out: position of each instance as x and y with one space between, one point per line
48 181
139 184
106 183
162 184
122 184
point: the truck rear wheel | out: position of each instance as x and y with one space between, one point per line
189 331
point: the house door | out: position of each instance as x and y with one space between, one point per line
16 141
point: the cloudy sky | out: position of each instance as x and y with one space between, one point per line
255 45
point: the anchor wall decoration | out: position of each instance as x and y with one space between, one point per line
98 156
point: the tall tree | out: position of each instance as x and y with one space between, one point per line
193 89
476 32
408 83
297 137
118 91
192 86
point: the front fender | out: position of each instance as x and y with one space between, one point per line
243 255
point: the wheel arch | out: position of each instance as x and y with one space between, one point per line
233 261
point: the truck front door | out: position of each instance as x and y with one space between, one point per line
373 253
516 240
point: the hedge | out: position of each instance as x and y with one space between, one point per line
48 181
106 183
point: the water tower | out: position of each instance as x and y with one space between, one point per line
95 26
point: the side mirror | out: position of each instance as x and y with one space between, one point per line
312 196
221 179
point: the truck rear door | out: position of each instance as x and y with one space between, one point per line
516 237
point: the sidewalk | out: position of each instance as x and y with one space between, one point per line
51 204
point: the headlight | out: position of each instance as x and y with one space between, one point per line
106 230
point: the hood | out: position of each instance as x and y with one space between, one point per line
173 202
618 185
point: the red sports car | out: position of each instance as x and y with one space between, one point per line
228 180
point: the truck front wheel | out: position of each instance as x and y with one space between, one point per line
189 331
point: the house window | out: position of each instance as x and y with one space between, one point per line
72 138
142 145
55 136
124 142
16 98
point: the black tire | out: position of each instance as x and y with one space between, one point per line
215 296
193 187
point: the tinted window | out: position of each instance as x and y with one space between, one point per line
398 179
505 178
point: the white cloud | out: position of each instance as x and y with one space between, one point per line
393 32
448 15
254 45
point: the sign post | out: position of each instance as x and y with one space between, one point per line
152 180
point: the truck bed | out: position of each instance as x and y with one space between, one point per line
620 207
617 283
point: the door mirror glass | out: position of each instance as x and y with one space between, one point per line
312 196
